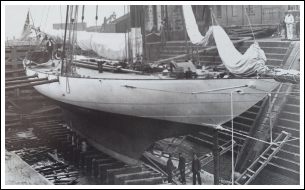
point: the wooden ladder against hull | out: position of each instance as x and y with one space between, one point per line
205 159
258 165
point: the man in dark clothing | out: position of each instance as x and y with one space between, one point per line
169 169
100 66
50 47
188 73
196 167
181 167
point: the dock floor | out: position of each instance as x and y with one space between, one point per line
18 172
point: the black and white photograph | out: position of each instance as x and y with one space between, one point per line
180 94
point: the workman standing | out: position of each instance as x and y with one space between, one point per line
196 167
289 20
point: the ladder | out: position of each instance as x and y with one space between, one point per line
205 159
257 166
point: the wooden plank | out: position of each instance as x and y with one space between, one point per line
14 71
31 84
25 81
19 78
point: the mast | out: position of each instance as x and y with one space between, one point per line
64 45
83 13
130 49
143 33
185 34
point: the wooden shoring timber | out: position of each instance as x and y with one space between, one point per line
20 78
25 81
31 84
14 71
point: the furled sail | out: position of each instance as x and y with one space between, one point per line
191 26
251 62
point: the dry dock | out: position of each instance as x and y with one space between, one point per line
36 133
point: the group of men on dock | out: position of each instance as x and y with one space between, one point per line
196 169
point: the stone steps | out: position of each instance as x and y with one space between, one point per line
122 178
292 108
276 168
269 43
290 115
289 146
111 173
289 123
294 142
294 132
277 50
294 99
274 62
275 56
289 155
286 162
145 181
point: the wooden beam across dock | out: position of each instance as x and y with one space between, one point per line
31 84
14 71
25 81
20 78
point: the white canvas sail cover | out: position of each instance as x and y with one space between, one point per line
251 62
108 45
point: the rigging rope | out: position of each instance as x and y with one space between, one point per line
96 17
74 34
125 36
83 13
249 23
191 93
61 21
213 17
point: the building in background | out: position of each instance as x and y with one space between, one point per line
112 25
226 15
81 26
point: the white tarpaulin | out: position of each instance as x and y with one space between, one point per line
135 37
108 45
